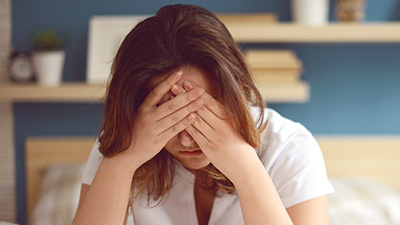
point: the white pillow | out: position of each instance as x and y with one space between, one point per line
59 196
362 201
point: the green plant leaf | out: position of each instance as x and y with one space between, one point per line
47 40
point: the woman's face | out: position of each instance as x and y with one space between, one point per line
182 146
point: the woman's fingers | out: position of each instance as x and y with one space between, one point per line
168 123
178 127
214 106
156 95
206 121
204 126
178 102
199 137
209 101
176 89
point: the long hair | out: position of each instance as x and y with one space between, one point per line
177 36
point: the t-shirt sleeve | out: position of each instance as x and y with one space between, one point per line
296 167
92 164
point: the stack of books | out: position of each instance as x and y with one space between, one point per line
274 66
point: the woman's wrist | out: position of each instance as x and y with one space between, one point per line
250 175
122 164
250 168
258 195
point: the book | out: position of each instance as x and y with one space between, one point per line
261 55
271 65
273 59
277 76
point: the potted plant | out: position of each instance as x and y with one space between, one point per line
48 57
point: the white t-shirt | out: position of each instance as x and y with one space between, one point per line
289 153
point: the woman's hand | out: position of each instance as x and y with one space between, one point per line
157 123
222 144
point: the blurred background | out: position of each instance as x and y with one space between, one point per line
353 86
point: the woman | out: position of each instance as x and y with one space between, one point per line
182 120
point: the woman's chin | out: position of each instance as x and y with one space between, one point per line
195 164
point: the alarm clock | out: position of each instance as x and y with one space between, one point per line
21 68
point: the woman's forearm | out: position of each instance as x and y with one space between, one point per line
258 197
107 198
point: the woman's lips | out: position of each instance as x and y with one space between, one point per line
191 153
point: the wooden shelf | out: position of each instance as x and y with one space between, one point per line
67 92
367 32
82 92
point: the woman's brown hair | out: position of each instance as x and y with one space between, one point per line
177 36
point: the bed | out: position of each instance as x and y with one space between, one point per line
364 170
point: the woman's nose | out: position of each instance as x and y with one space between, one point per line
185 138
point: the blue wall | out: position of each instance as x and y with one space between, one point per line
354 88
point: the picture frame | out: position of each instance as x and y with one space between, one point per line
106 34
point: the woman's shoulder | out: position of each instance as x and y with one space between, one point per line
279 128
285 138
92 164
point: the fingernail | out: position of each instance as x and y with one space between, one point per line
199 92
175 89
188 85
178 74
190 116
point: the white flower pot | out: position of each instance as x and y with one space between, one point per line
49 67
310 12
